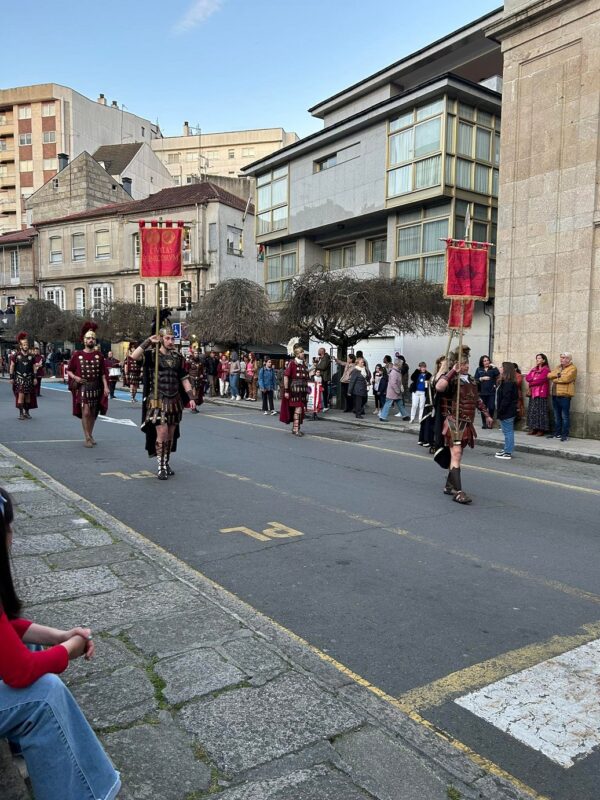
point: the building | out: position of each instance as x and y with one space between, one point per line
401 158
18 268
39 122
548 274
92 257
136 167
197 154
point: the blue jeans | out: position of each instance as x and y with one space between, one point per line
562 419
234 383
64 758
388 404
508 429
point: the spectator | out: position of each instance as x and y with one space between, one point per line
234 376
393 390
402 412
427 431
485 377
243 383
376 383
212 367
267 383
563 389
323 364
419 383
37 711
251 376
348 366
520 401
507 402
358 387
359 354
539 389
223 375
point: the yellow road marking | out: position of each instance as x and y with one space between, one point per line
558 586
473 756
473 467
277 530
42 441
494 669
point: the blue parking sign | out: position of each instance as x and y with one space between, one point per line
176 329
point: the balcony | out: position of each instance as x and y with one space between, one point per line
8 180
8 203
377 269
7 154
6 126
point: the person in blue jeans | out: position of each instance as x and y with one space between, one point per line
394 392
562 380
507 398
267 383
64 758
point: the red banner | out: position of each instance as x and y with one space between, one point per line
461 313
161 252
466 271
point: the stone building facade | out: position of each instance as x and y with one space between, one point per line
548 261
18 268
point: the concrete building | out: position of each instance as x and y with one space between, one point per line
136 167
402 156
92 257
18 268
39 122
548 274
196 154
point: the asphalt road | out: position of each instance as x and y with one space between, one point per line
347 540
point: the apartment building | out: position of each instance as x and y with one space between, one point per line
196 154
18 268
91 257
39 122
404 156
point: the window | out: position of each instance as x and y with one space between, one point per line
137 249
102 293
247 152
78 247
272 202
26 166
417 148
48 110
56 255
80 301
231 154
377 250
340 257
185 294
326 163
56 294
50 163
212 237
186 246
191 178
212 155
139 294
143 131
177 180
24 112
14 265
173 158
49 137
24 138
3 145
234 241
163 294
280 267
102 244
419 243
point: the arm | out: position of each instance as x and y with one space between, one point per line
139 351
566 375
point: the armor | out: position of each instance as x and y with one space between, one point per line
469 403
170 374
24 373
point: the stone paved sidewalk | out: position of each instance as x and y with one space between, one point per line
193 693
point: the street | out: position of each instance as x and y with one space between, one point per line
345 539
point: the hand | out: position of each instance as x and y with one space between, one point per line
192 404
75 647
286 394
86 635
489 422
105 392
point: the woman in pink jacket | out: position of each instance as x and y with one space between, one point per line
539 388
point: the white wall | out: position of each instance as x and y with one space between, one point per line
148 174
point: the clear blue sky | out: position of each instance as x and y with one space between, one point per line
222 64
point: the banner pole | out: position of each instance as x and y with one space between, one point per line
157 350
460 352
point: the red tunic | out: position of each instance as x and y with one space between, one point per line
19 666
91 367
297 375
24 373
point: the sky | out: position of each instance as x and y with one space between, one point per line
220 64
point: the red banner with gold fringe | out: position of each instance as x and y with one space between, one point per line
160 250
466 270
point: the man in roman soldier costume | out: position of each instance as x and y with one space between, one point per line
295 390
88 382
459 401
132 372
22 372
162 406
195 369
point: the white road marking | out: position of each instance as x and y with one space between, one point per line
553 707
118 421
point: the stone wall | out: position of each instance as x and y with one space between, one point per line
548 281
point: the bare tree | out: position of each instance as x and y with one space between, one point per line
343 309
235 313
43 320
123 321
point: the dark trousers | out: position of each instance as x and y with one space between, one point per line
359 403
267 400
213 383
562 415
489 401
347 402
325 385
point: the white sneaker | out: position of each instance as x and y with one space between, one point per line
397 415
265 413
272 413
325 409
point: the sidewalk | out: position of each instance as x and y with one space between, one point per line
195 694
586 450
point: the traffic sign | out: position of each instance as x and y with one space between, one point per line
176 329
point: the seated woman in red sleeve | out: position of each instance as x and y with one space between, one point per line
37 712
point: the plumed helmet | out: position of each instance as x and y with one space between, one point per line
22 335
88 328
163 327
453 356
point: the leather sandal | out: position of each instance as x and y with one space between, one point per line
462 498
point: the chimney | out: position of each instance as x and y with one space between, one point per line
186 128
114 104
127 185
101 100
63 160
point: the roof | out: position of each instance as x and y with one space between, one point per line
18 237
116 157
176 197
